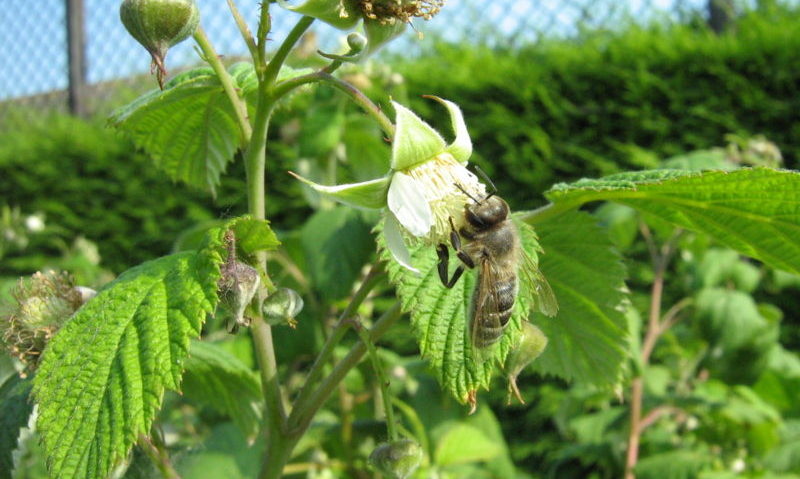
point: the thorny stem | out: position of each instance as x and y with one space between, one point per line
276 62
655 327
239 105
241 24
383 382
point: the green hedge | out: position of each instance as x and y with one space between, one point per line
538 115
610 101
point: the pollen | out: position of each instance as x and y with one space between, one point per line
448 186
387 12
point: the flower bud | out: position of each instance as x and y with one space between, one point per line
397 459
357 42
44 302
158 25
531 345
282 306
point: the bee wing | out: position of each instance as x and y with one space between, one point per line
486 301
538 286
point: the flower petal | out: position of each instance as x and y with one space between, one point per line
342 15
368 194
407 201
395 243
414 140
461 147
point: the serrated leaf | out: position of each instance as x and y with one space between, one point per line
15 408
102 377
439 318
190 128
337 243
588 339
217 378
754 211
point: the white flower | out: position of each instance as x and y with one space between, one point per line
427 188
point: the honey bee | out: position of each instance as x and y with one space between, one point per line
492 243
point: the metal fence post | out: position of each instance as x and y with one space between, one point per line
76 54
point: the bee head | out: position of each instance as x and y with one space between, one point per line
487 212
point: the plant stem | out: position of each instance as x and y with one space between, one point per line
241 24
238 103
159 458
276 62
383 382
358 97
303 413
655 327
373 277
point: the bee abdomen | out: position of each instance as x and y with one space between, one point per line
493 324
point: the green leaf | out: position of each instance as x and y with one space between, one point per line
217 378
102 377
439 318
680 464
588 339
253 236
713 159
379 34
15 408
189 128
341 14
462 443
754 211
337 243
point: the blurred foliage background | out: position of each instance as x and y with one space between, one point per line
603 97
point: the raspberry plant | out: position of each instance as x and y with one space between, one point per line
101 379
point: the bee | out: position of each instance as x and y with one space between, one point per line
492 242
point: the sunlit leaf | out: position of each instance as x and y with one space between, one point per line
754 211
588 338
103 376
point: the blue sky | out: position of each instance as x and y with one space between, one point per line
33 34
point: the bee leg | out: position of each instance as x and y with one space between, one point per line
455 240
444 259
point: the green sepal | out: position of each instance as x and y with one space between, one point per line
414 140
341 14
368 194
379 34
461 147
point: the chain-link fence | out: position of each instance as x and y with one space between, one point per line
71 55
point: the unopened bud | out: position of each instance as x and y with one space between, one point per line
282 306
397 459
357 42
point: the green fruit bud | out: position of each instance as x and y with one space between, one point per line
44 302
356 42
397 459
531 344
282 306
158 25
